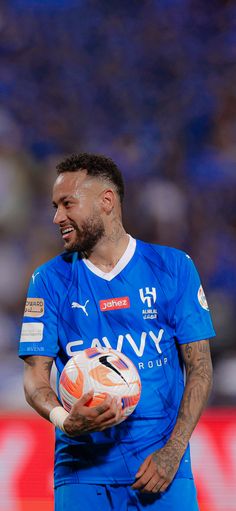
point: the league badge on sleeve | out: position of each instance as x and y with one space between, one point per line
202 299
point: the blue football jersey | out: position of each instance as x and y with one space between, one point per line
151 302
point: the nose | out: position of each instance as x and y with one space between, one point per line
59 216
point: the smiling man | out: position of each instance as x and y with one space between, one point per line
109 290
77 211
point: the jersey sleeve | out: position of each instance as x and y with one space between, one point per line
39 332
192 316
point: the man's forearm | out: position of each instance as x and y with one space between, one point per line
196 393
38 391
42 398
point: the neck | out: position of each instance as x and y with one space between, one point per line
110 248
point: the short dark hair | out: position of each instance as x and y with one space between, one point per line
96 165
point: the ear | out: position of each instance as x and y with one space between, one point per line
108 200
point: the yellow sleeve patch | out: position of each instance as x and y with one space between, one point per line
34 308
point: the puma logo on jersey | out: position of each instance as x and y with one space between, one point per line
76 305
34 276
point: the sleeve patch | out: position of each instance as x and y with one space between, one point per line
202 299
34 308
32 332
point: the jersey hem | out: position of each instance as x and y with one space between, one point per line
125 482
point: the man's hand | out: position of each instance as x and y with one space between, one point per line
84 419
158 470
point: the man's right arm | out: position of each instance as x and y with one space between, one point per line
38 391
82 419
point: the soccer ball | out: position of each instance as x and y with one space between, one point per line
106 371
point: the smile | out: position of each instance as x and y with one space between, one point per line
66 232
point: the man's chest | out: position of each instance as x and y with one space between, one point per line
131 315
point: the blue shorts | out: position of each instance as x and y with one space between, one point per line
179 496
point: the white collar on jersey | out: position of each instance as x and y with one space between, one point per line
123 261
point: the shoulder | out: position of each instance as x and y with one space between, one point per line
61 265
167 259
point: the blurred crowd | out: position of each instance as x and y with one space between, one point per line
149 83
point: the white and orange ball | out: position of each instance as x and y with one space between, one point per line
106 371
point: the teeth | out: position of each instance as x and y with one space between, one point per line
69 229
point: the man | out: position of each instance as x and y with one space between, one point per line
164 326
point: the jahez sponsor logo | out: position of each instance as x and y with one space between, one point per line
114 303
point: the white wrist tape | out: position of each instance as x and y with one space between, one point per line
57 416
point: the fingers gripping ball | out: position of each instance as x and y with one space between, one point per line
106 371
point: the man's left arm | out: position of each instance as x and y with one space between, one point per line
159 468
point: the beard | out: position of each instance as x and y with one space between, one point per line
87 236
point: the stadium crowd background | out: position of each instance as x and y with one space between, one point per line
149 83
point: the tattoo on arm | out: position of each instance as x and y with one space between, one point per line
38 391
188 351
44 391
197 360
